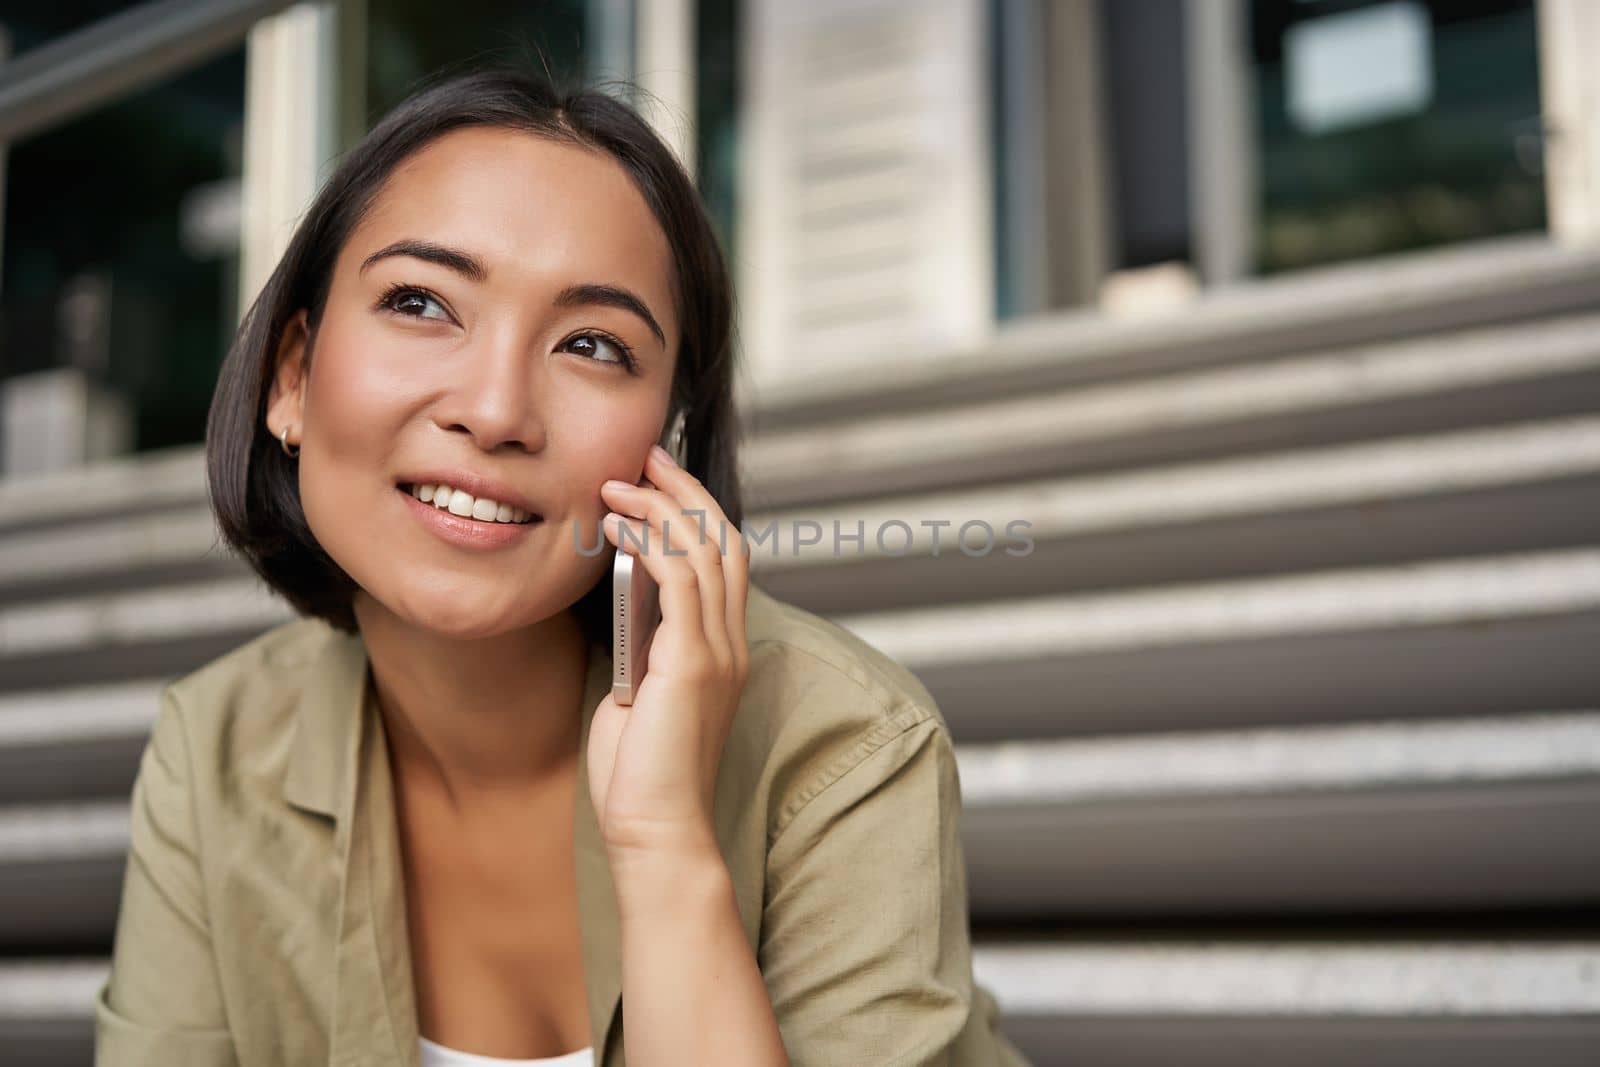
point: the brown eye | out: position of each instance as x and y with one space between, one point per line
411 302
593 345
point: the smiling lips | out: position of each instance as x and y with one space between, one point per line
464 504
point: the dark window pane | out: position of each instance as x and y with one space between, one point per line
716 113
1393 125
30 25
409 40
121 247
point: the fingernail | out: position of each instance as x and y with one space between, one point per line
662 454
612 483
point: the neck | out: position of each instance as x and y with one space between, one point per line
492 716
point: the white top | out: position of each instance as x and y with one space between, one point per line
436 1055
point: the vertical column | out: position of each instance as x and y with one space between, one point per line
665 58
1569 82
1080 204
1223 159
293 128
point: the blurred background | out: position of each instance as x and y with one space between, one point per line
1276 320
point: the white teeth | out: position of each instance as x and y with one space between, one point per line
460 502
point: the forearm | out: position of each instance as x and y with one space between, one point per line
692 992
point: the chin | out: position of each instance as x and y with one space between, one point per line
449 614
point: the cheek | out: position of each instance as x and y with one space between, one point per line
353 390
353 411
358 406
607 443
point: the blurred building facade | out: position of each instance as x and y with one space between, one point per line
1274 319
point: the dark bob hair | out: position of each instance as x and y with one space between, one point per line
254 484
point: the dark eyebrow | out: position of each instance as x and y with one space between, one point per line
472 268
610 296
463 263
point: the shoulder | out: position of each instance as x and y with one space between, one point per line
807 647
820 702
241 703
265 663
797 656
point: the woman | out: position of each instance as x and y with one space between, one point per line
367 836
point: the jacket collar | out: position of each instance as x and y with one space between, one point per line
339 767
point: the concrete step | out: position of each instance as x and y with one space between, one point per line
47 1010
1439 638
116 635
74 742
118 553
1436 382
144 484
1354 819
61 871
1507 488
1371 817
1370 302
1356 1003
1476 1003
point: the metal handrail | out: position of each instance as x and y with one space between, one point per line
117 55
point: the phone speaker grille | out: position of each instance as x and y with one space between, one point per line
622 653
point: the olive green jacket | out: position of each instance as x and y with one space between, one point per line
263 918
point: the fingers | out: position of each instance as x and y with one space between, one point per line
714 529
681 601
693 552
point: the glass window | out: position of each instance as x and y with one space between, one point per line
121 242
29 25
1090 133
409 40
717 109
1392 125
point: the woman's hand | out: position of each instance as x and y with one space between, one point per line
653 765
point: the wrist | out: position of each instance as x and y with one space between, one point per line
654 882
662 842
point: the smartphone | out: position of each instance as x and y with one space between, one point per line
635 596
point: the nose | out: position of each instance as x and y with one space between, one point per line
495 396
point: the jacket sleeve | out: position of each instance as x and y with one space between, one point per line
161 1003
865 946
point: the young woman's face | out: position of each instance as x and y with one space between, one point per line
418 367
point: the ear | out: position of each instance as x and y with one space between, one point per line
286 398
